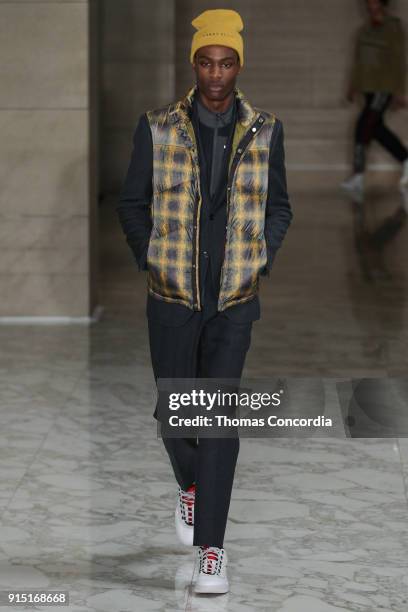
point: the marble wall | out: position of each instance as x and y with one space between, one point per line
47 135
137 59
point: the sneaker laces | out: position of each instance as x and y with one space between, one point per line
210 559
187 499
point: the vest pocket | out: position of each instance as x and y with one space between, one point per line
164 238
168 262
165 258
252 248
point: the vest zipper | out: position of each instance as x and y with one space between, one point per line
196 237
196 286
226 233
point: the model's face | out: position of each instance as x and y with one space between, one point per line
375 9
216 69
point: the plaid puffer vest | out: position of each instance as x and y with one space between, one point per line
173 253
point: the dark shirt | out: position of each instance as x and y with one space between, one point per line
215 131
134 213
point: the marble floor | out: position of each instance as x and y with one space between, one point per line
316 525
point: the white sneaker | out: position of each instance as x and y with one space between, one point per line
354 186
184 515
212 573
404 176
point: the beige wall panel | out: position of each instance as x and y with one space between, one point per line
43 163
43 51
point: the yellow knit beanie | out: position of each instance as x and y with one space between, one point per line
218 27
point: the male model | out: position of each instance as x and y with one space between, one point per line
205 208
379 73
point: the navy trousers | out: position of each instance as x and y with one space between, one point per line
208 345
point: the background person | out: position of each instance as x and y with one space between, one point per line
379 74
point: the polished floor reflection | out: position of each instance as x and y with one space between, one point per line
316 525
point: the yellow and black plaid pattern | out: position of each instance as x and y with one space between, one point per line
174 191
172 267
245 251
